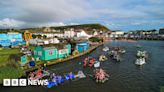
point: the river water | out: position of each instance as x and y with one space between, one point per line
125 76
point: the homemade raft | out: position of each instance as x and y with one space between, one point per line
57 80
38 74
89 61
100 76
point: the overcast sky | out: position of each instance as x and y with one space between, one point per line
115 14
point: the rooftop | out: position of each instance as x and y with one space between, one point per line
52 46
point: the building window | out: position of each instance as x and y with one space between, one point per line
51 52
34 52
63 51
40 53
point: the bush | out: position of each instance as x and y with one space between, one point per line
95 39
10 72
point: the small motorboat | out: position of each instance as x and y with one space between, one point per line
97 64
140 61
105 49
142 54
138 46
122 51
117 57
103 58
111 53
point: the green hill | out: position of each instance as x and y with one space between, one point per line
86 27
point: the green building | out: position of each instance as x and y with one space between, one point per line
50 52
23 59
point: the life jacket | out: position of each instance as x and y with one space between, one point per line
85 63
67 77
39 73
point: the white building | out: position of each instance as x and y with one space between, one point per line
51 41
50 35
60 35
116 34
95 33
46 41
54 40
82 33
69 33
43 41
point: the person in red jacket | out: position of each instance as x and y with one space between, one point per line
85 62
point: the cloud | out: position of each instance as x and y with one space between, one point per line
37 11
7 22
115 13
156 1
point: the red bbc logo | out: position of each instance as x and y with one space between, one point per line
14 82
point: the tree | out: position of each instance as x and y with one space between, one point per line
39 36
34 36
44 36
95 39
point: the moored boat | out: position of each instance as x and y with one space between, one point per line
103 58
142 54
122 51
97 64
105 49
111 53
138 46
117 57
140 61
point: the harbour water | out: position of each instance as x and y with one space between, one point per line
125 76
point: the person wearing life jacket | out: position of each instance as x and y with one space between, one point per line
66 77
44 67
101 74
71 75
31 75
85 63
39 74
97 74
60 79
91 62
54 80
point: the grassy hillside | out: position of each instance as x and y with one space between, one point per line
87 27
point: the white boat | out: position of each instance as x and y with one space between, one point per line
105 49
102 58
111 53
142 54
122 51
140 61
116 57
97 64
80 75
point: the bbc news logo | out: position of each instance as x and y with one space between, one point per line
24 82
